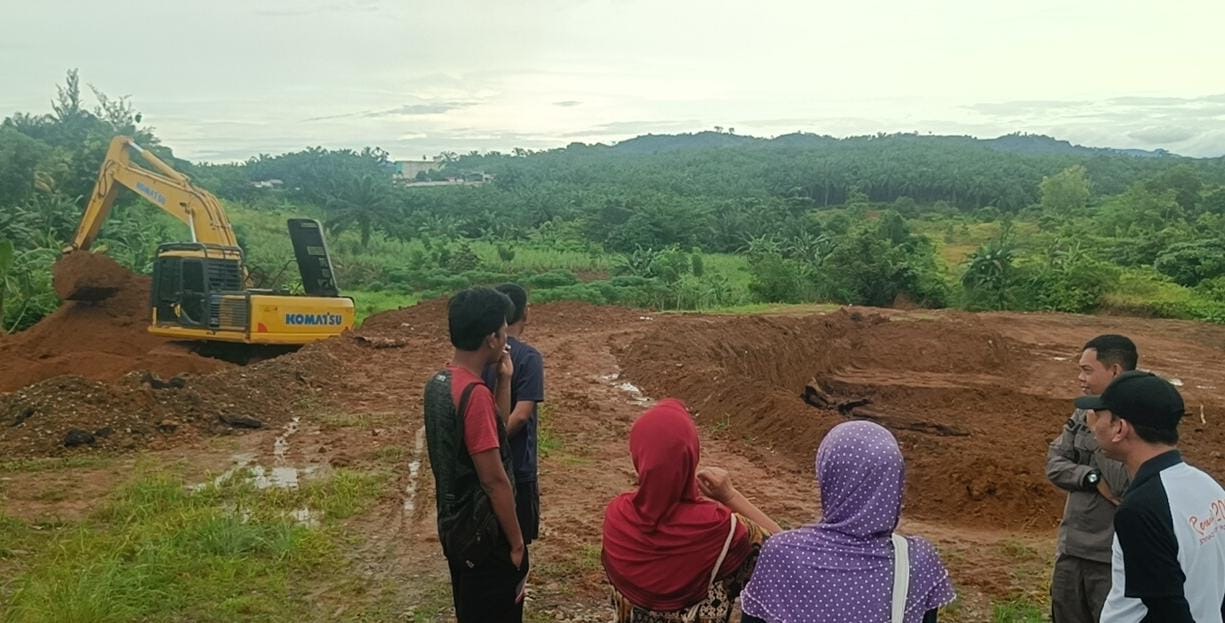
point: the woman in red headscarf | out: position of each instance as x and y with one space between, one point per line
671 554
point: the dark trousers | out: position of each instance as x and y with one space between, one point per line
488 592
1078 589
527 507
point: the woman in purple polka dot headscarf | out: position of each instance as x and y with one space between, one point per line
841 569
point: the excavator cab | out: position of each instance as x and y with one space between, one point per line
189 282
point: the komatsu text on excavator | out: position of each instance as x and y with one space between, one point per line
200 288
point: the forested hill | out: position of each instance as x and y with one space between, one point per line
1032 144
1016 222
966 172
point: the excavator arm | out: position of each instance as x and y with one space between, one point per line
163 186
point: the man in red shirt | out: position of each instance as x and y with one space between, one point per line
471 462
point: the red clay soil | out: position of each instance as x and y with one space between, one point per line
425 318
131 413
340 373
81 275
99 340
1006 380
990 376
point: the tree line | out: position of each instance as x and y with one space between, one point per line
863 220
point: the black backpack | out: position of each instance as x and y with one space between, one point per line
467 526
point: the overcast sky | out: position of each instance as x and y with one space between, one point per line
226 79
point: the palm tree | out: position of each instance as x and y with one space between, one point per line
990 271
361 201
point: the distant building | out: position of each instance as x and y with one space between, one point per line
408 169
264 184
469 179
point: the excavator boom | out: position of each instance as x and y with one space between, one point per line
166 188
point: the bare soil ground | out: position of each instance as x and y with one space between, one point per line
1001 382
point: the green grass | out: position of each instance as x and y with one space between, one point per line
1018 611
433 602
331 419
590 558
547 441
1020 551
529 259
753 309
562 573
158 551
54 463
734 267
56 493
17 538
1145 292
954 611
393 454
367 304
368 274
966 238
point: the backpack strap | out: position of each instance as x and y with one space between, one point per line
464 399
727 544
901 576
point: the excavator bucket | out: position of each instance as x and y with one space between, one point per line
85 276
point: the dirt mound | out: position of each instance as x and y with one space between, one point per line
429 318
424 317
85 276
100 340
141 410
392 353
744 377
134 410
566 317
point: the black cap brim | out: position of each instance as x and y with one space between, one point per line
1092 403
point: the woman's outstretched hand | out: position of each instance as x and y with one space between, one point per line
716 484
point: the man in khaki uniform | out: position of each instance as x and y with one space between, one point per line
1094 484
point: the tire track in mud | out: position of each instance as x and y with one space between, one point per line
414 472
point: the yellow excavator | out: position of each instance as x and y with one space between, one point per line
200 288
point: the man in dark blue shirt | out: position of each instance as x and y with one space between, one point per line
526 393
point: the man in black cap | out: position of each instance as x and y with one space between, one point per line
1169 541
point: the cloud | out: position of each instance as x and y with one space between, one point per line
637 127
407 110
1148 101
568 103
1167 102
1163 135
1185 125
1117 107
1026 107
